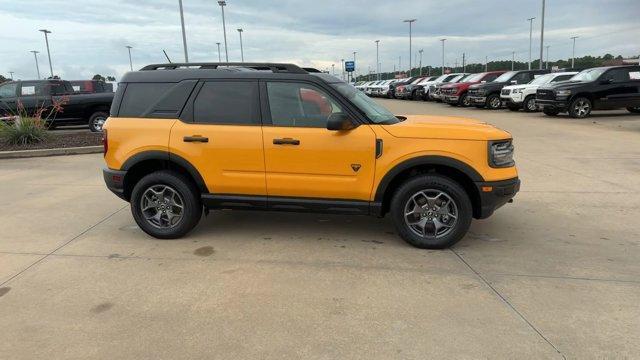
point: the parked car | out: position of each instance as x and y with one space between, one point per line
369 88
523 97
381 88
457 94
601 88
425 86
211 141
391 93
435 93
90 109
487 95
407 90
91 86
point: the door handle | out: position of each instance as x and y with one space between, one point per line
196 138
286 141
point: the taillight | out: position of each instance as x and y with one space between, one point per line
105 142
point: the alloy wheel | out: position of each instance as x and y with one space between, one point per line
582 108
162 206
431 213
495 103
531 104
98 123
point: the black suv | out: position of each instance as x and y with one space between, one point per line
488 94
602 88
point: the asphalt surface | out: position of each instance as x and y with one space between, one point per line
555 274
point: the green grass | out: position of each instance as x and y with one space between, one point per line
25 131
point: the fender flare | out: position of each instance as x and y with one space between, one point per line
167 156
470 172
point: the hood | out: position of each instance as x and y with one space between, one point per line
489 85
521 86
445 127
568 84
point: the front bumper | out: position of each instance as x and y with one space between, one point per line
556 104
114 179
451 99
477 100
494 194
512 99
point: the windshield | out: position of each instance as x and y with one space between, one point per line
542 79
473 77
463 78
369 107
589 75
505 77
417 80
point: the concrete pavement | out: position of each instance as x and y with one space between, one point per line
553 275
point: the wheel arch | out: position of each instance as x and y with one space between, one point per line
455 169
146 162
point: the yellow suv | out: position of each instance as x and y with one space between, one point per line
186 138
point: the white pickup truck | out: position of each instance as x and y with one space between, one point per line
523 96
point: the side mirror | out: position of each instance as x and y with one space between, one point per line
514 81
340 122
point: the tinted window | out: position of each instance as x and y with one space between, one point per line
300 105
139 97
490 77
522 78
562 78
617 75
227 102
8 90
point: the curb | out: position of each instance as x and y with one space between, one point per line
50 152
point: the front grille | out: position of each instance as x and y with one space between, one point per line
473 92
449 91
506 92
545 95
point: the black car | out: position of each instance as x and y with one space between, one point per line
391 94
488 94
77 108
602 88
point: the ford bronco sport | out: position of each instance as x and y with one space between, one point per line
186 138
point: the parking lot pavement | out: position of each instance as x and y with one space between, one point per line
554 274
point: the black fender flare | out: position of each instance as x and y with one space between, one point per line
167 156
422 161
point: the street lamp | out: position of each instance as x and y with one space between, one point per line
219 56
421 51
342 66
11 74
241 50
35 56
443 40
222 4
354 64
410 21
46 40
184 35
573 52
377 60
130 62
530 37
547 62
542 35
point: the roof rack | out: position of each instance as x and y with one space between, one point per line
275 67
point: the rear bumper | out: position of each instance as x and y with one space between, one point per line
494 194
114 179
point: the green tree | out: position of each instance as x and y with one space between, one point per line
98 77
111 78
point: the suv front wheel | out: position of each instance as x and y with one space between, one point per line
431 211
580 108
165 205
494 102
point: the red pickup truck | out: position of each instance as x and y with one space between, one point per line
456 93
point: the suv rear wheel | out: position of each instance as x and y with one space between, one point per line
431 211
530 104
97 120
580 108
165 205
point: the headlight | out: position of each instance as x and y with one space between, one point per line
563 92
501 153
517 90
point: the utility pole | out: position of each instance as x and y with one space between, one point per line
547 62
219 56
542 34
130 62
443 40
46 40
184 35
342 65
241 50
513 60
530 38
377 59
11 74
573 52
35 56
464 64
420 51
222 4
410 21
486 63
354 64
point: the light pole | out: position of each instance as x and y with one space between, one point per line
530 38
219 56
11 74
354 64
130 62
241 50
513 60
443 40
222 4
377 59
542 35
35 56
573 52
421 51
342 66
184 35
46 40
547 62
410 21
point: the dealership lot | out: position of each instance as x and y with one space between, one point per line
554 274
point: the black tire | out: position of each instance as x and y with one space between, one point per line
413 96
634 110
529 104
190 196
493 102
437 183
580 108
549 111
96 121
463 100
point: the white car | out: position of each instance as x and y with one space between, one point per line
428 82
380 88
370 87
523 96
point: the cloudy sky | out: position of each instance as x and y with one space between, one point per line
89 36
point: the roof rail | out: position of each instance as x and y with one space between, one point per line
275 67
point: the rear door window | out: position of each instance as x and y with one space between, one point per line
8 90
618 75
228 103
140 97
